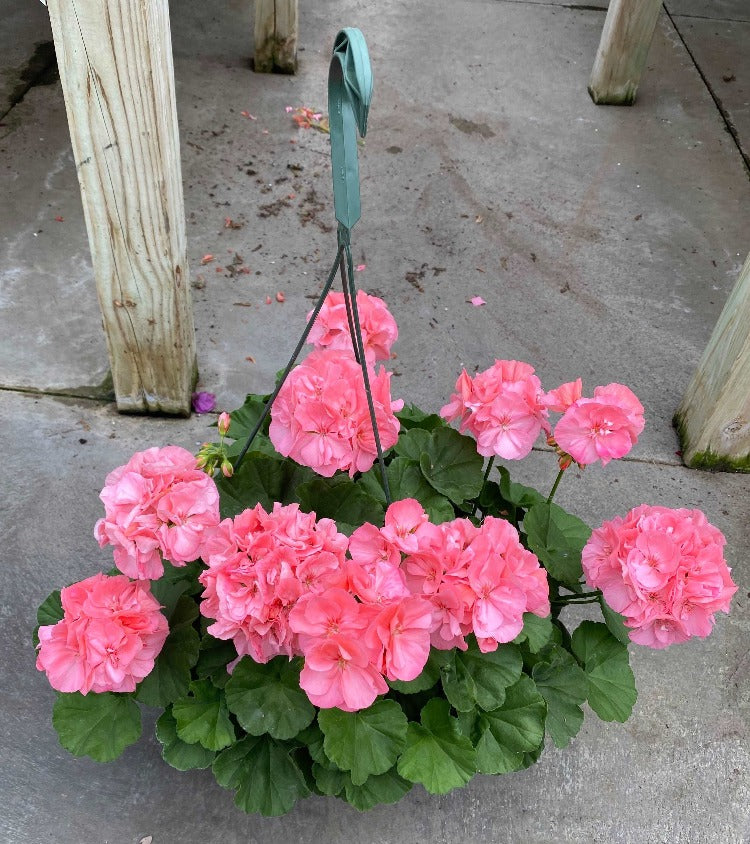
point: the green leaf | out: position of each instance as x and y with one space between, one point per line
437 754
605 660
260 479
381 788
458 684
341 499
615 622
175 751
452 466
406 480
536 632
97 725
429 675
170 676
312 738
412 417
268 698
492 673
174 583
365 742
518 494
557 538
267 780
564 687
203 717
330 781
245 418
49 613
512 729
213 658
412 444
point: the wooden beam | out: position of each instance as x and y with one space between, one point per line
713 420
275 36
115 62
621 57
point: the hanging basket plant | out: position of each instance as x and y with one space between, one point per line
347 596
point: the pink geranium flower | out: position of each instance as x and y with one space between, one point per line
158 505
501 408
111 632
331 328
321 417
663 570
400 632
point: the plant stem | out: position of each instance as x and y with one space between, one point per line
484 483
555 485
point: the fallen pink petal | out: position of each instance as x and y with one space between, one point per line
359 268
204 402
477 301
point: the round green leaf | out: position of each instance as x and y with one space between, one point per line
365 742
97 725
615 622
428 677
330 780
341 499
536 632
203 717
451 464
178 753
557 538
381 788
458 684
405 480
612 692
268 698
267 780
412 444
564 687
437 755
492 673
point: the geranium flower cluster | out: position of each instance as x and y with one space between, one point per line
111 633
504 408
663 570
158 505
279 583
321 417
331 327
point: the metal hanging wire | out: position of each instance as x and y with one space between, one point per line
349 96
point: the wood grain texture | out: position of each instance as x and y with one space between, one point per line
714 417
115 62
623 49
275 36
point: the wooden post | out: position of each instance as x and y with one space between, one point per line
275 36
621 57
713 420
115 62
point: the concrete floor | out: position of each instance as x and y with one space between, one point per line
604 241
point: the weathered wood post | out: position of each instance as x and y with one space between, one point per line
623 48
115 62
713 420
275 36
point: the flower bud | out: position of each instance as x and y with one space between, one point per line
223 424
226 468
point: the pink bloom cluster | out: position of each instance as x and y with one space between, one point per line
662 569
259 565
331 328
604 427
107 641
159 504
279 583
504 408
501 408
321 418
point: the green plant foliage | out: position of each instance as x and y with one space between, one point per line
203 717
615 622
366 742
612 691
536 632
564 687
263 774
170 677
97 725
412 417
174 583
451 465
268 698
175 751
340 499
49 613
557 538
213 658
406 480
437 754
262 480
